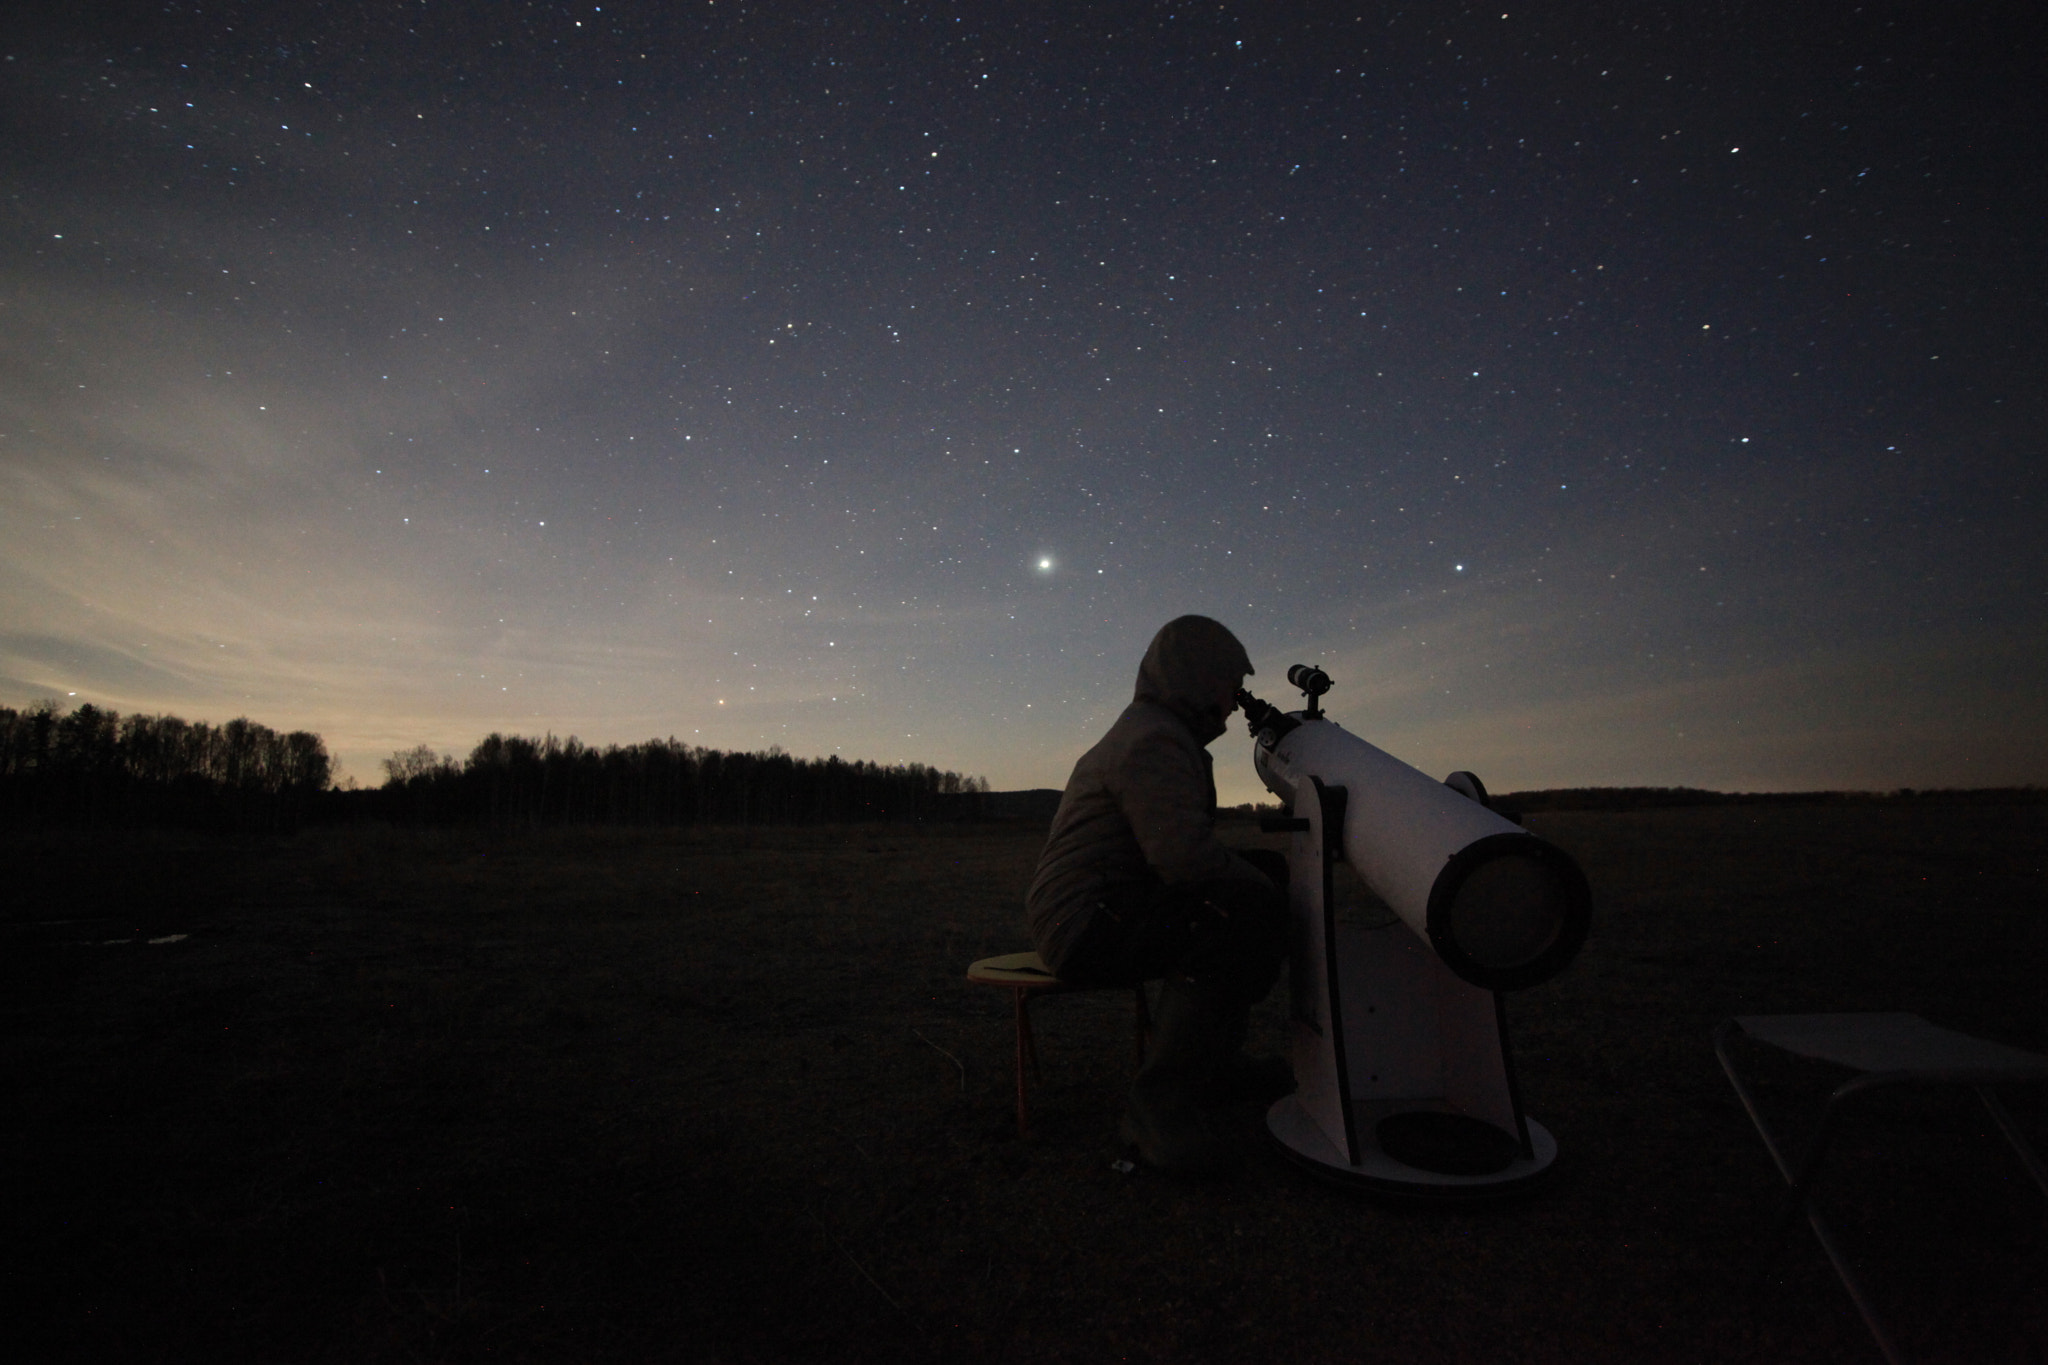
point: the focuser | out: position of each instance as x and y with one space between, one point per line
1267 723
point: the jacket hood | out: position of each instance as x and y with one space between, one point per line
1189 662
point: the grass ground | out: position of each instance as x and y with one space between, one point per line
724 1096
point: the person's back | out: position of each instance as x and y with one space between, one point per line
1133 885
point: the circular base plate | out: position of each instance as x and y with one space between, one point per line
1380 1174
1448 1144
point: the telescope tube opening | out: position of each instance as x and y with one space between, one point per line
1509 911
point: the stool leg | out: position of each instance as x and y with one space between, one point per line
1144 1025
1025 1048
1030 1038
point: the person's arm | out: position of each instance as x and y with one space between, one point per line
1163 788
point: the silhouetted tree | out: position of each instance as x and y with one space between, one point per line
511 781
95 768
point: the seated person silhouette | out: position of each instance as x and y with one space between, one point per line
1133 886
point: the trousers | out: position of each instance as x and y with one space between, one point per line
1228 936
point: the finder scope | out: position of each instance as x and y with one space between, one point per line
1313 682
1309 679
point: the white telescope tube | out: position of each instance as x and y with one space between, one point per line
1502 908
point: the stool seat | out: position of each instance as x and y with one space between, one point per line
1016 969
1025 975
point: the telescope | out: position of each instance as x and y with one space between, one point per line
1413 906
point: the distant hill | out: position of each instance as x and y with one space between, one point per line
1654 798
1514 805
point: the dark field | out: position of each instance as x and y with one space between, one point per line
724 1096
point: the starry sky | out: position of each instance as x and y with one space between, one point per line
1603 394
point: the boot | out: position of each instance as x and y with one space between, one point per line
1164 1118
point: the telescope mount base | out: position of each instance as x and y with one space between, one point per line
1302 1142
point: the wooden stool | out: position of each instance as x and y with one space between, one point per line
1024 975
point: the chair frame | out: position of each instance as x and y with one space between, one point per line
1800 1176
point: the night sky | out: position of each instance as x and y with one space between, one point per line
1604 395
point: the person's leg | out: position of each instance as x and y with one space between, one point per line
1216 947
1165 1117
1233 959
1144 932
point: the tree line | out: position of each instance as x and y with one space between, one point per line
95 768
512 781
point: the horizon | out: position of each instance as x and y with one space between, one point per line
342 781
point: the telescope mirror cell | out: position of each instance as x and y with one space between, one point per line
1508 912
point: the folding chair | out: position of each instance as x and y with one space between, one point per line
1889 1050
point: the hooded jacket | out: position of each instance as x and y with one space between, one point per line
1141 805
